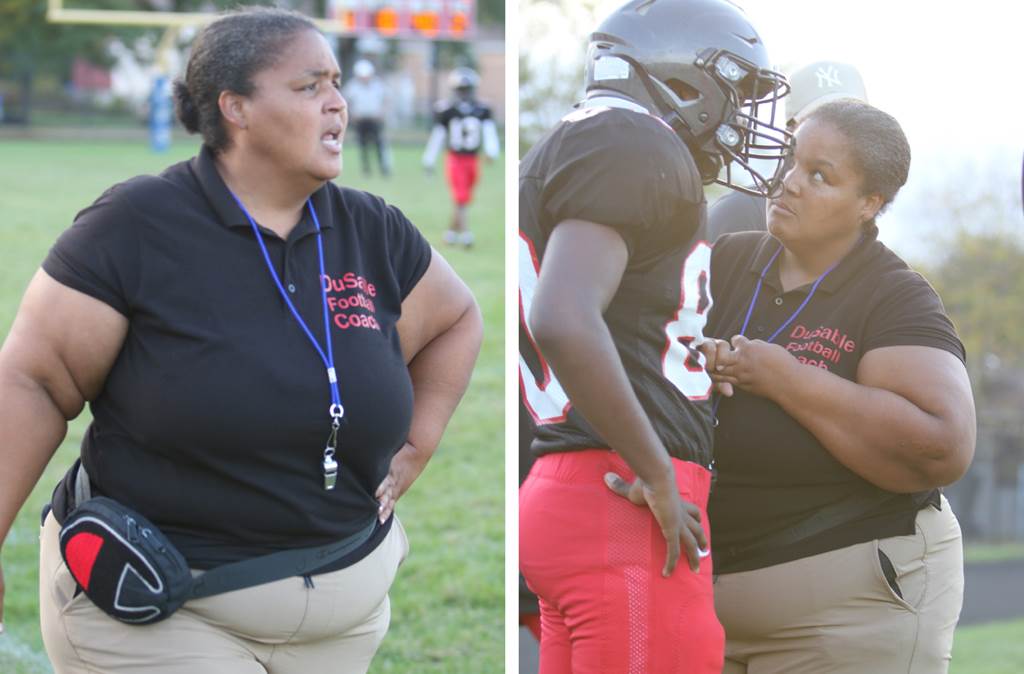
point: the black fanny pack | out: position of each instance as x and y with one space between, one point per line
132 571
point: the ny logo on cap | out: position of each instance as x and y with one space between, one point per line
828 76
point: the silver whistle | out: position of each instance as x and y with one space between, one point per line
330 469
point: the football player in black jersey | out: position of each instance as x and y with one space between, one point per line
469 127
613 295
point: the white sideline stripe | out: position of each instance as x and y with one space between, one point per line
23 654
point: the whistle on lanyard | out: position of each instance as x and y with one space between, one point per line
330 469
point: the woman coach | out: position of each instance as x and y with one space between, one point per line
270 361
835 551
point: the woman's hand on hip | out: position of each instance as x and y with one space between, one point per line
406 466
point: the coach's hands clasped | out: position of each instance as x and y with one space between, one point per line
679 520
754 365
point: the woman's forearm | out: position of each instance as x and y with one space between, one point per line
440 374
878 434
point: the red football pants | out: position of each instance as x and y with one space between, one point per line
595 559
462 170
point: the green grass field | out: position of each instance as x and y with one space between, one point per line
994 552
447 603
996 648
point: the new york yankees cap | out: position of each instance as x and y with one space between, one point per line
820 82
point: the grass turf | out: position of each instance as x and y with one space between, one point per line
447 602
981 553
994 648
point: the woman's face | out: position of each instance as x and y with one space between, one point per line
821 201
296 116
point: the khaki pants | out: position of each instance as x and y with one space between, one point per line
835 613
277 628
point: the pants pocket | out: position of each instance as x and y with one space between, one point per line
55 577
900 566
889 571
65 591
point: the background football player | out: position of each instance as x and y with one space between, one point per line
613 293
367 98
468 125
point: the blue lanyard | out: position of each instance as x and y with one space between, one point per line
757 291
336 410
792 317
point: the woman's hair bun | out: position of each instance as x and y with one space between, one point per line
185 107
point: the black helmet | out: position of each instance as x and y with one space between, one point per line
702 68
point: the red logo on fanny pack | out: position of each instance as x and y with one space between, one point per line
82 551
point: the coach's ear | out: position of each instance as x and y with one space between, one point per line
233 108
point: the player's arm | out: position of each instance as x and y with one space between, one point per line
440 332
56 357
580 273
434 143
490 133
907 424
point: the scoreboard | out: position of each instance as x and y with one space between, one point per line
424 19
410 19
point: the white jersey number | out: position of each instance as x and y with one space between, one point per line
464 133
681 363
545 399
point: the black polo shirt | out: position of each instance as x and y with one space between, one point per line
214 417
772 473
629 171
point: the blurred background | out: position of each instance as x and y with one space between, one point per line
63 64
85 105
949 76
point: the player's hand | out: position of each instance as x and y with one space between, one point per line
754 366
406 466
680 520
428 170
712 350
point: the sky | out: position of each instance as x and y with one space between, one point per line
950 73
944 70
919 64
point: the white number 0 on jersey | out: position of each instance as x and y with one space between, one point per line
546 400
686 329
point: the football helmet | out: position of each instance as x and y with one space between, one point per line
463 81
702 68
